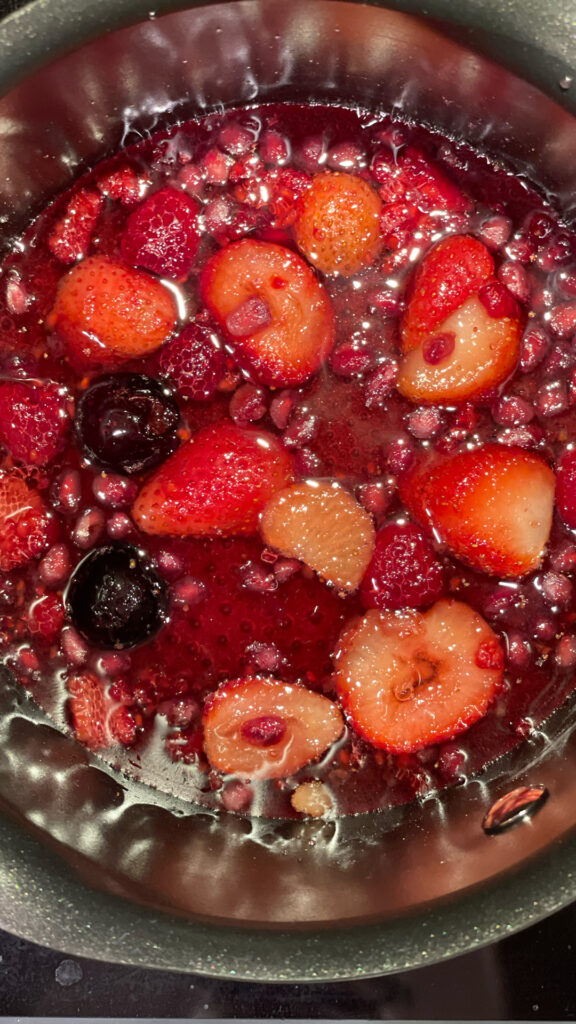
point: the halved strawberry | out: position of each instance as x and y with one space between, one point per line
338 226
492 506
408 679
267 729
470 352
162 234
107 312
215 484
324 526
276 313
26 526
70 237
452 272
89 711
33 421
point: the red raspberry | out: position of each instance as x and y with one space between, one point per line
88 711
404 571
26 527
33 421
124 184
194 361
46 616
70 237
162 234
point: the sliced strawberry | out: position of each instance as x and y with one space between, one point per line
215 484
277 314
107 312
70 237
89 711
324 526
403 572
338 226
26 527
449 274
33 421
162 234
492 506
408 679
263 728
469 353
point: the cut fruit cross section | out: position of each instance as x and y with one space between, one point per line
408 679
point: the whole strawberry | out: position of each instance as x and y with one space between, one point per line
33 421
162 234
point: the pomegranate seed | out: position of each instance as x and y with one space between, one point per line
217 216
89 528
557 253
301 428
274 148
380 383
512 410
251 316
562 319
540 225
425 423
17 298
495 231
566 282
497 301
534 347
67 492
565 653
544 630
564 559
248 404
264 731
28 660
285 568
519 654
190 179
388 301
515 279
400 456
216 166
346 157
307 463
170 565
74 648
438 348
180 713
560 359
54 569
280 408
311 154
376 497
266 657
255 578
119 526
235 140
112 663
189 591
521 249
556 589
350 361
450 764
236 796
552 398
114 491
528 436
498 603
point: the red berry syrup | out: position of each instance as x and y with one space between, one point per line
171 617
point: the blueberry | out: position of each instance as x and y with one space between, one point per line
115 599
127 422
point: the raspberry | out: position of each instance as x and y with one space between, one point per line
124 184
194 361
70 237
162 234
33 421
404 571
26 527
46 616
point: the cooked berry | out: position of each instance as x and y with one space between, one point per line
115 599
127 422
404 571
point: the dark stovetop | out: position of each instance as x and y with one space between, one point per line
527 977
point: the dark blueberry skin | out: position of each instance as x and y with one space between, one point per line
127 422
115 599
